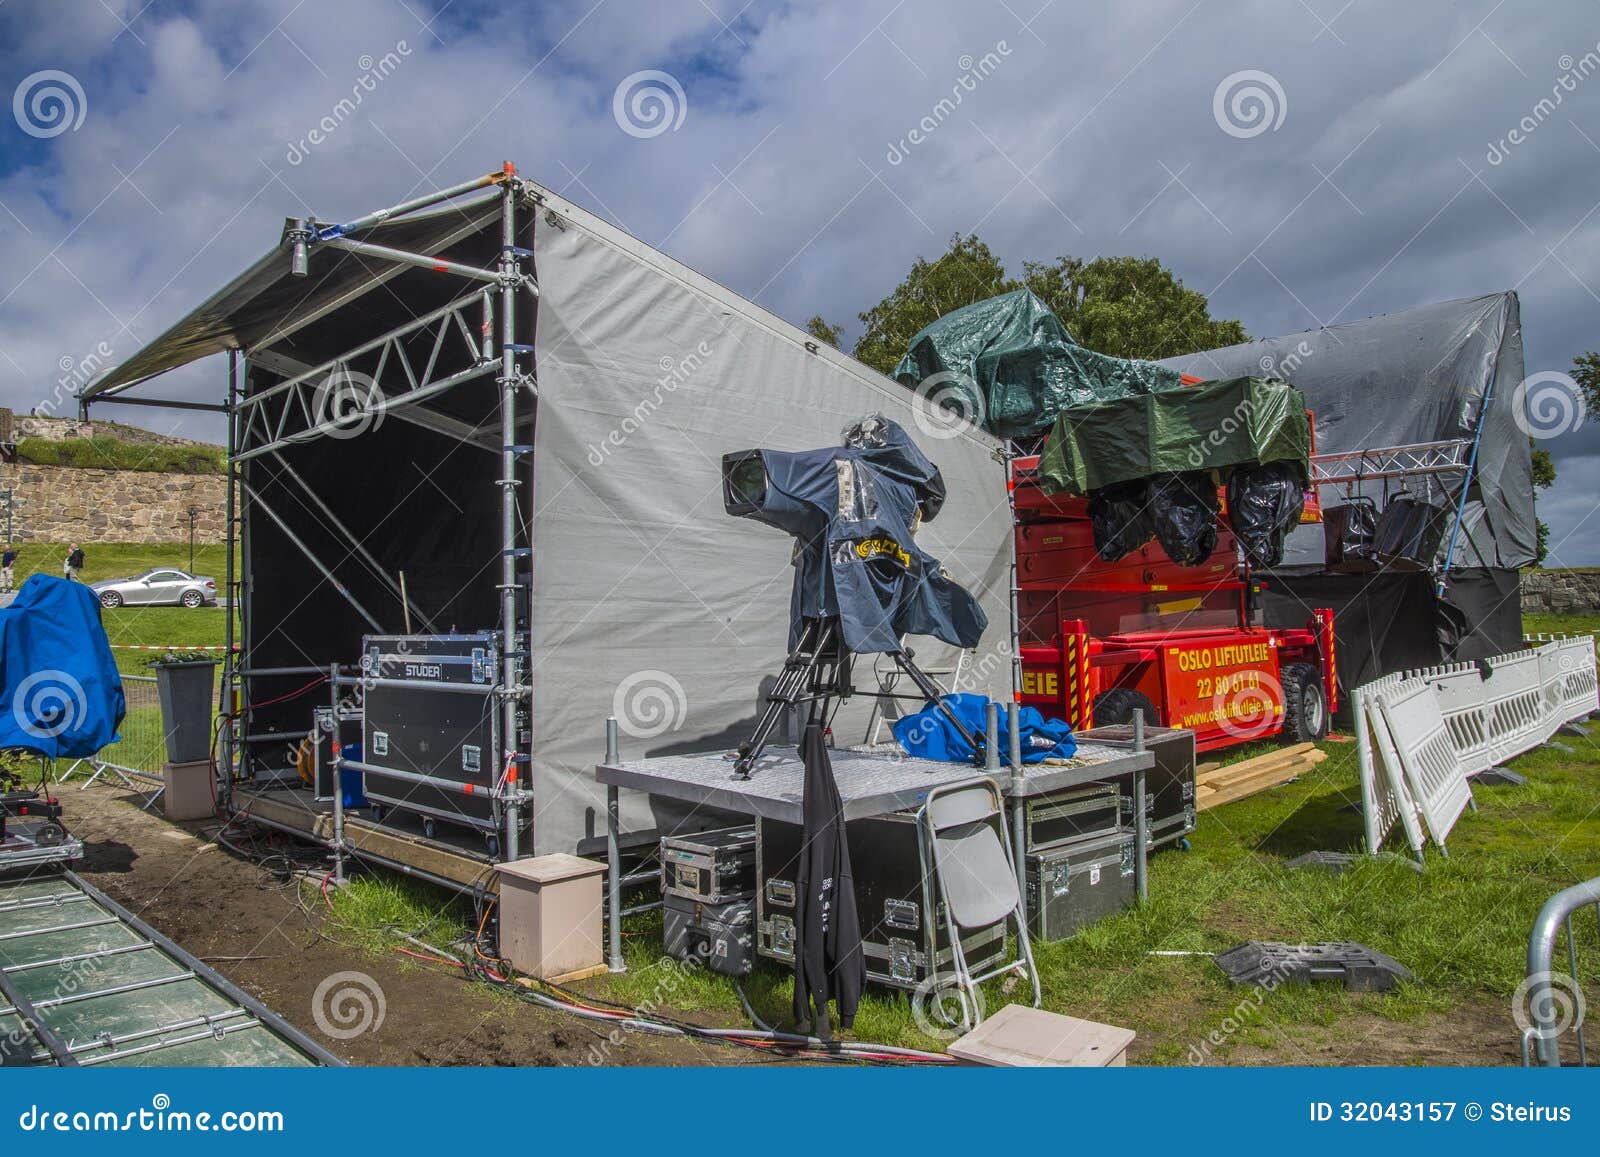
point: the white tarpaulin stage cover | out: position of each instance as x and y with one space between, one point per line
647 600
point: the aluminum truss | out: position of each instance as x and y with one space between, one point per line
317 402
409 364
1418 459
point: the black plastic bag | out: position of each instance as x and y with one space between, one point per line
1349 533
1409 533
1185 509
1264 505
1122 518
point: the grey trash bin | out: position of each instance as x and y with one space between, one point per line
186 688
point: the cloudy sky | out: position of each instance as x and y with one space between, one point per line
1303 163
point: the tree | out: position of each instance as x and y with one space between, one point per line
1544 469
1586 372
967 272
1129 307
1544 477
819 328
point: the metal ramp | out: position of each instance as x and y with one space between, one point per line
83 981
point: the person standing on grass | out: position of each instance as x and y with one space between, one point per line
74 562
7 561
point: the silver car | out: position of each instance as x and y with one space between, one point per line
163 586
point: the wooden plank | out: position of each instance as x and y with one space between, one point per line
1268 778
1245 768
1268 771
282 808
363 836
400 848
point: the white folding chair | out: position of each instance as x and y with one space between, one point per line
886 711
964 828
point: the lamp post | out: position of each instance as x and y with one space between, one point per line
194 513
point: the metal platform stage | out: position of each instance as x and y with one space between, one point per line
872 782
457 860
84 982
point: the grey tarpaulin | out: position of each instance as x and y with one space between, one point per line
642 586
1415 376
648 601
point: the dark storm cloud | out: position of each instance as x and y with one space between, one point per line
1409 152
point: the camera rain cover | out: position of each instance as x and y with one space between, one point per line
853 510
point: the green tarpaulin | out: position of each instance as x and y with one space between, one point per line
1212 426
1010 366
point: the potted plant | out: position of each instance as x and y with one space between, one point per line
186 682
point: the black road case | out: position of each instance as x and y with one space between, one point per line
1078 883
718 936
713 867
431 726
1094 809
901 932
1169 785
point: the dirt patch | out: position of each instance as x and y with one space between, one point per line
276 944
1470 1034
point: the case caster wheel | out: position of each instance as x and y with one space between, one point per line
429 828
1183 844
492 845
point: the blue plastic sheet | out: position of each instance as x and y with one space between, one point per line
929 734
62 693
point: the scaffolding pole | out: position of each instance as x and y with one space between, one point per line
510 277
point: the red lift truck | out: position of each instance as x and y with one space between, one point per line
1185 646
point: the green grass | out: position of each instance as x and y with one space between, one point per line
372 910
176 627
1561 624
1461 926
107 453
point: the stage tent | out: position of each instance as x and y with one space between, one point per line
637 595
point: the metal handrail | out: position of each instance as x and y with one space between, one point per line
1542 1036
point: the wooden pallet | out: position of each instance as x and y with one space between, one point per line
1214 785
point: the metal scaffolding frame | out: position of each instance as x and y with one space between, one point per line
404 367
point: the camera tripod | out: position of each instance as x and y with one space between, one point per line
817 672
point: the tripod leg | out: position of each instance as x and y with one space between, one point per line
796 676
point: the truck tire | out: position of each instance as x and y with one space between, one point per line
1305 705
1117 705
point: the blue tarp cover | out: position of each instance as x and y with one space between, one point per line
62 694
929 735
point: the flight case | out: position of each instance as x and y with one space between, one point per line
1169 785
439 718
1079 882
712 867
894 886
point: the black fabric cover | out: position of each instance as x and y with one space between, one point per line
1122 518
1409 532
1391 621
1481 614
1185 510
828 963
1264 504
1350 533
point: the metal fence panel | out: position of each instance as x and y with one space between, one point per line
140 753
